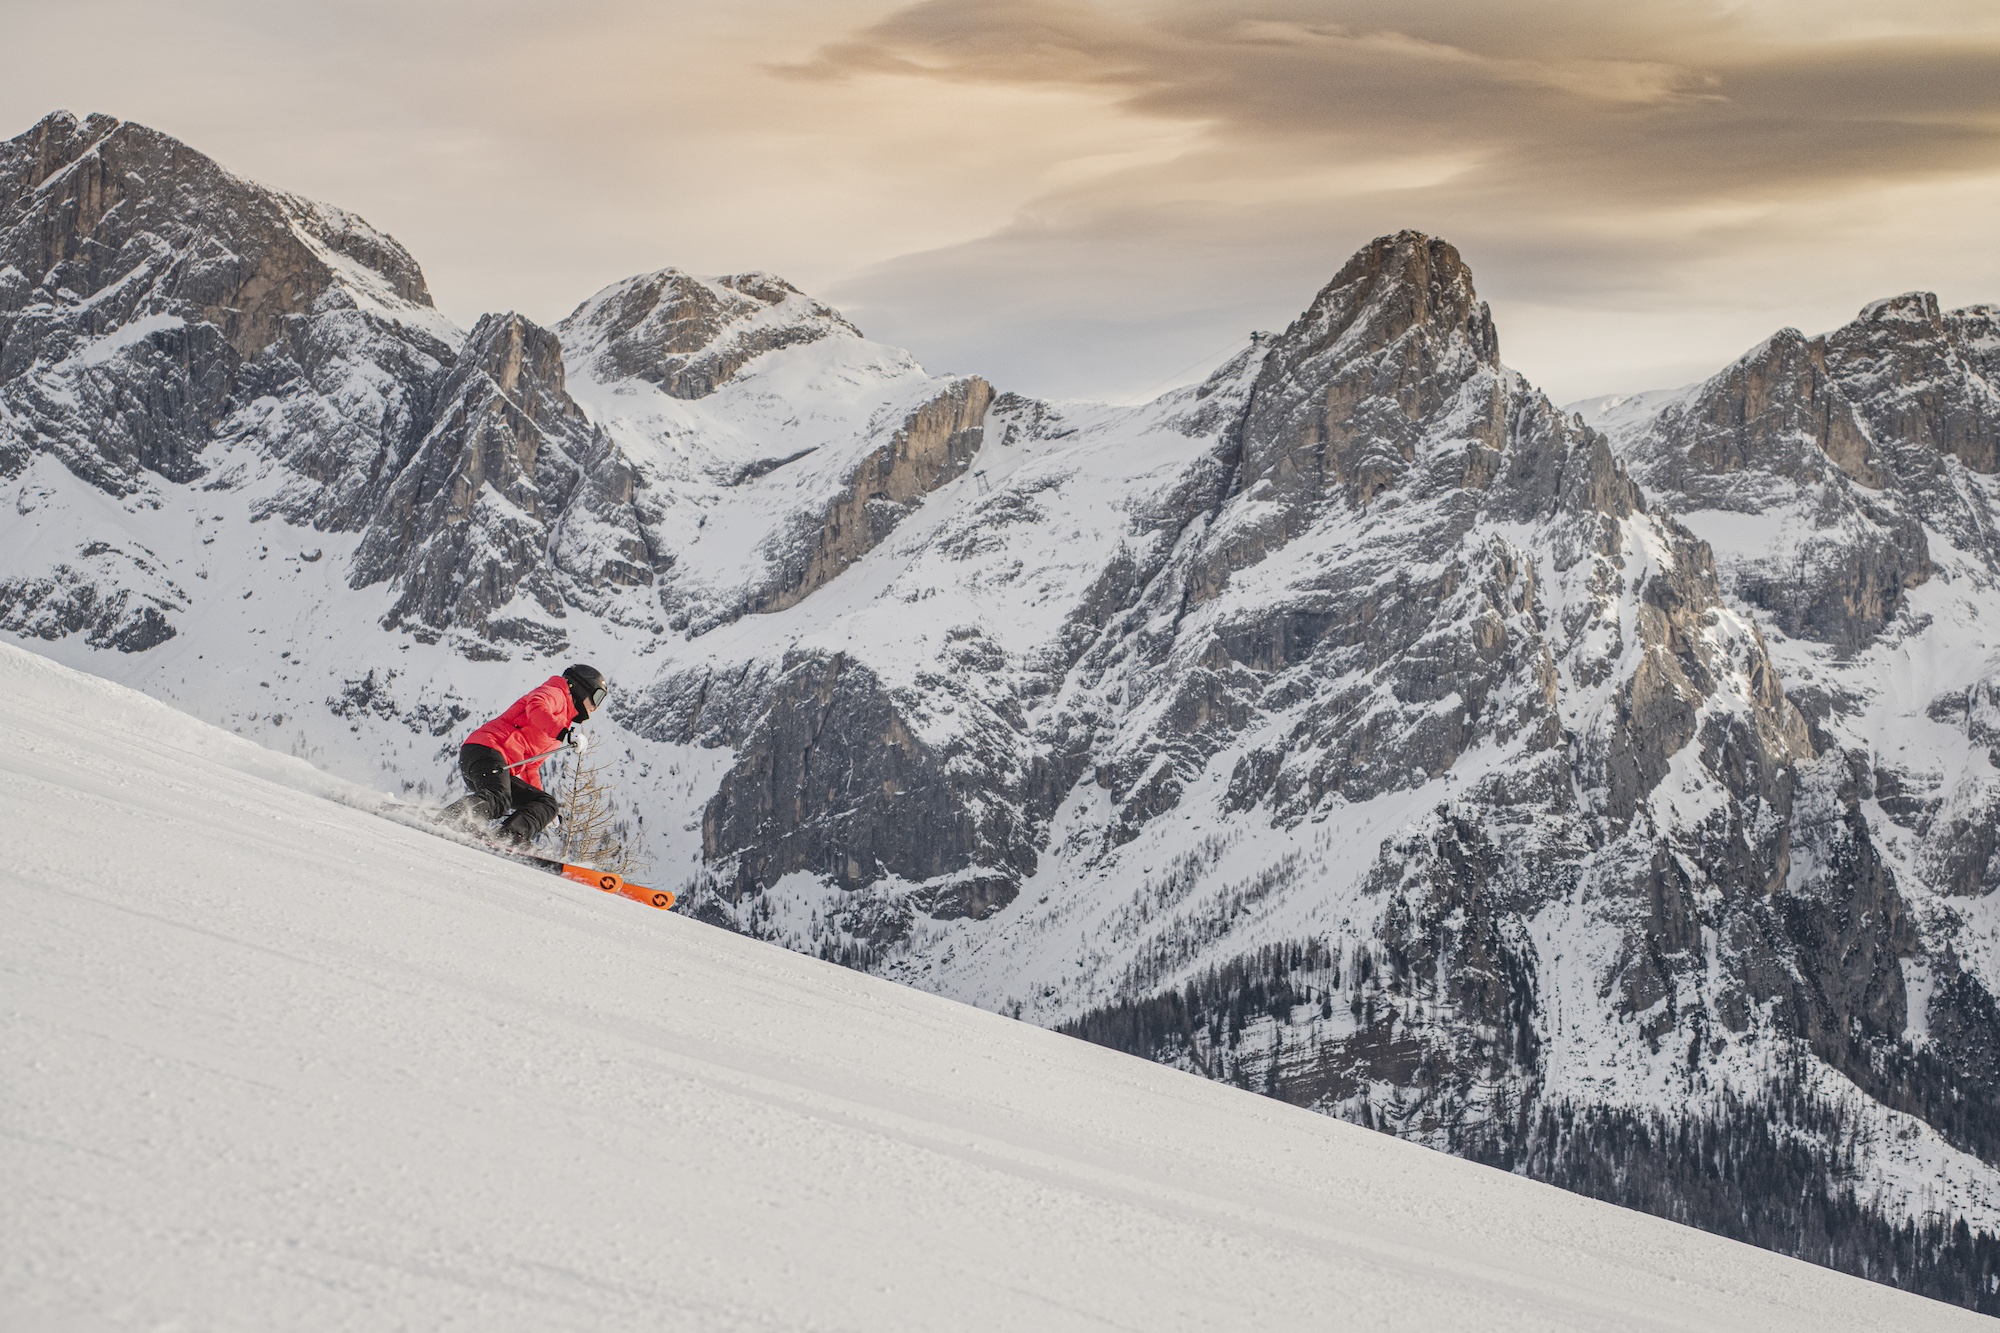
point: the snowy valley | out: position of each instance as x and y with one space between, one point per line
1606 795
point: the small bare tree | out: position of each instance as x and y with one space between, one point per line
591 833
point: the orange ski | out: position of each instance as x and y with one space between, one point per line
610 883
604 880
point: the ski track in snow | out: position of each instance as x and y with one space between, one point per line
277 1062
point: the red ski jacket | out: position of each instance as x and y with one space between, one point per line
534 725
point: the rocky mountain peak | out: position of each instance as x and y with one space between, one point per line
687 334
106 220
1975 331
1903 363
514 508
374 260
509 349
1387 288
1909 309
1775 411
1859 439
148 297
54 142
1345 392
1779 431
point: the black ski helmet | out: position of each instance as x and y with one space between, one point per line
586 684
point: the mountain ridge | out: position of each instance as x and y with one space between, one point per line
1355 725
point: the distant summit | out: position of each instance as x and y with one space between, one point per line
688 335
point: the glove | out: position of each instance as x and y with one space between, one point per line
576 738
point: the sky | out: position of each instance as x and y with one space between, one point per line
1101 200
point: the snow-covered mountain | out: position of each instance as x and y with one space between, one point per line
1355 726
278 1062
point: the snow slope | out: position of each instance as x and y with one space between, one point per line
277 1062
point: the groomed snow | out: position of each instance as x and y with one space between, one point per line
273 1061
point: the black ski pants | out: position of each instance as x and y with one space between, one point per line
493 791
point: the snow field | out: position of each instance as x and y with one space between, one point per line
275 1062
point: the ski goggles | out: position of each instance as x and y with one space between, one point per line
596 696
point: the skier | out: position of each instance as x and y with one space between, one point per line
502 761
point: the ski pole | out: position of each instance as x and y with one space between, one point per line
570 745
518 763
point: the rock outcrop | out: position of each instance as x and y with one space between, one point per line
833 781
514 502
113 597
152 303
688 335
1924 379
935 445
1846 446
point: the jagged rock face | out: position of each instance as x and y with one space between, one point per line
689 335
111 210
513 494
342 403
1974 333
1853 438
113 597
832 780
1776 431
1776 412
935 445
1921 378
1343 399
152 304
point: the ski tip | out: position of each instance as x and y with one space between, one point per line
639 893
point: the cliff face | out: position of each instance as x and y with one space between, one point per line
1922 379
151 303
935 445
128 221
1854 443
512 509
1355 725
